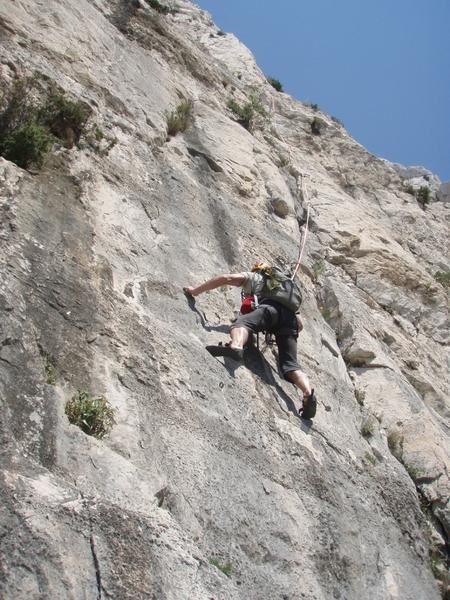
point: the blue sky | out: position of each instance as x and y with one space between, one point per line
381 66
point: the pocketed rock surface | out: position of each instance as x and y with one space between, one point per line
210 486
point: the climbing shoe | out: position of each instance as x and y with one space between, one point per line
226 350
308 410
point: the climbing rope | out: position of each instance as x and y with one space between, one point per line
302 237
305 201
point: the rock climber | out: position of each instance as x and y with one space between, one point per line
275 302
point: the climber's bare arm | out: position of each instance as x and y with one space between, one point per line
236 279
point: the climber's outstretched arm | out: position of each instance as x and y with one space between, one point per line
236 279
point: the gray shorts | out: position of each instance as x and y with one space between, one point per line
279 320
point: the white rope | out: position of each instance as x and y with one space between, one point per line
305 198
303 237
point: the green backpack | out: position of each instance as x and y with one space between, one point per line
279 287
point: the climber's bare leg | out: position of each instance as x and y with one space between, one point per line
299 379
239 337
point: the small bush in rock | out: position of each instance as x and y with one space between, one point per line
66 119
412 471
94 415
325 312
313 106
443 277
23 140
17 104
248 113
395 443
226 568
50 369
423 196
283 161
439 565
33 115
98 134
161 8
370 458
337 121
27 145
316 126
360 396
178 120
367 428
243 113
275 84
318 268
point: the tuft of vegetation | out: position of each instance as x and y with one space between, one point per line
28 145
360 396
312 105
98 134
94 415
275 83
337 121
50 369
395 443
283 161
178 120
325 312
34 115
438 557
17 103
22 139
438 549
318 268
243 113
316 126
226 568
248 114
370 458
423 196
367 428
161 8
443 277
412 471
64 118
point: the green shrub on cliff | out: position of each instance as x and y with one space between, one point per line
27 145
275 83
178 120
94 415
423 196
161 8
66 119
443 277
249 113
33 115
225 567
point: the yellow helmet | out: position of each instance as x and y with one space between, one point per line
261 266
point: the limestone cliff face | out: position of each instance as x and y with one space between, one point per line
209 485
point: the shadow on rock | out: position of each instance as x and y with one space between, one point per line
306 424
257 364
203 320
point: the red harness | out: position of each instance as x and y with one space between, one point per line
249 303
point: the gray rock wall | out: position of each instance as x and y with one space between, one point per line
209 485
